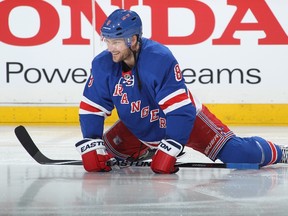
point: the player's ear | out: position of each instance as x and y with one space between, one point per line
134 41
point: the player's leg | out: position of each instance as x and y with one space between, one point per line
209 134
123 145
214 139
250 150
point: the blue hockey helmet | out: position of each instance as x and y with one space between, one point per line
122 24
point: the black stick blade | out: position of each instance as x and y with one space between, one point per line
29 145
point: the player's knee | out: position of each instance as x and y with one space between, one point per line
240 150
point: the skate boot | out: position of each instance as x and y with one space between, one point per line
284 150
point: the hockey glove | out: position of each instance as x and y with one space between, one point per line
94 155
164 160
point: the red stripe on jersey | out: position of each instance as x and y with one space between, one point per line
173 100
88 107
274 153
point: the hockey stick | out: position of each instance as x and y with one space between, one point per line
29 145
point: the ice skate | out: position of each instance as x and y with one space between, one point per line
284 150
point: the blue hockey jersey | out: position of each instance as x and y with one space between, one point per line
161 108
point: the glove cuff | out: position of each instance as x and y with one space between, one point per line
170 147
86 145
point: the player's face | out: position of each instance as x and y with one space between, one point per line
118 49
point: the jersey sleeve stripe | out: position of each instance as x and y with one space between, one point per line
175 106
172 95
174 101
89 107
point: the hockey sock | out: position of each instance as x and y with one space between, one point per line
250 150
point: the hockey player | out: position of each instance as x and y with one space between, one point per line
158 115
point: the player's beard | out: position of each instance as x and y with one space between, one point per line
122 55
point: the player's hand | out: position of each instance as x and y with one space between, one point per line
94 155
164 160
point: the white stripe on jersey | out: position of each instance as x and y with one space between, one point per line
101 111
175 105
173 94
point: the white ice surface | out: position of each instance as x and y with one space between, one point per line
28 188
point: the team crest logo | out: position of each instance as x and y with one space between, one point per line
127 79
